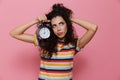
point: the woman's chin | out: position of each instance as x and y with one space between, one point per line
60 37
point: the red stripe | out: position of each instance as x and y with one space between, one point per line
55 71
56 60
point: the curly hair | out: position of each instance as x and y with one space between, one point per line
50 45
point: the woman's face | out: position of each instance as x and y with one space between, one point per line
59 26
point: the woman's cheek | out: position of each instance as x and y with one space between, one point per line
55 32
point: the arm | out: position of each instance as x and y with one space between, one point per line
19 34
91 30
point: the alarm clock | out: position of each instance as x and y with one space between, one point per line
43 31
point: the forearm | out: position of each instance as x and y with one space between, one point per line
85 24
21 29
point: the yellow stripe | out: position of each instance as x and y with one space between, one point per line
62 45
55 75
53 64
64 54
35 43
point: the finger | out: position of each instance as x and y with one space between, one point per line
48 21
38 18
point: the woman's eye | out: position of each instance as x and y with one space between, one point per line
53 26
61 23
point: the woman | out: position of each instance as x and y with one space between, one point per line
58 51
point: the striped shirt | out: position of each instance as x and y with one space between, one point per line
60 65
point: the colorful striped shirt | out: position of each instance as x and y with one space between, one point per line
60 65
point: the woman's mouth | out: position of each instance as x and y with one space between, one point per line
59 33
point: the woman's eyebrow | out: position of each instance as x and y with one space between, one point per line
58 23
53 24
61 22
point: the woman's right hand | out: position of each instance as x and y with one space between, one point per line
42 18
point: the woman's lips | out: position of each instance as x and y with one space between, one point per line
59 33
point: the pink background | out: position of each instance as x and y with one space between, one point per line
100 59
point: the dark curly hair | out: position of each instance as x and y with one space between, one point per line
49 45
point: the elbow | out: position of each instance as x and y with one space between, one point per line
95 28
12 34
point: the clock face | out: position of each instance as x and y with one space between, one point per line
44 32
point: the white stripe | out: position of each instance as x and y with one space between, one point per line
56 67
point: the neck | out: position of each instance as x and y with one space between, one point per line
61 39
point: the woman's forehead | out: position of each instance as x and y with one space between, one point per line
57 19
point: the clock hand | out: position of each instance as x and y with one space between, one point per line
44 31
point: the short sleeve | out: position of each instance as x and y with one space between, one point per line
76 46
36 41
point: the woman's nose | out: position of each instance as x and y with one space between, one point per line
58 28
